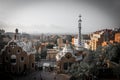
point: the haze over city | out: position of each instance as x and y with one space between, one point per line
60 39
58 16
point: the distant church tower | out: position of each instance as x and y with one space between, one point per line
79 46
16 34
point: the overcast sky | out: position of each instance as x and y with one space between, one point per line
58 16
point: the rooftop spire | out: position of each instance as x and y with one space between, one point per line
80 18
16 34
79 28
79 46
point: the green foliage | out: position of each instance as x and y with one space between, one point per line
111 52
79 70
37 57
116 53
49 46
95 60
43 54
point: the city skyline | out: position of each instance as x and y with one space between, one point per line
44 16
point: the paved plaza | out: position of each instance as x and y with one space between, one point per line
42 75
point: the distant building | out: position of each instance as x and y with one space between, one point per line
107 43
51 54
94 41
60 43
117 37
98 37
85 41
4 39
2 31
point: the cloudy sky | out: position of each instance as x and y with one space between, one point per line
58 16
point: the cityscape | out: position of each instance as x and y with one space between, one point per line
37 44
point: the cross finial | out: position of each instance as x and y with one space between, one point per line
80 18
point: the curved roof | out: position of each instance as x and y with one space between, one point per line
67 49
26 46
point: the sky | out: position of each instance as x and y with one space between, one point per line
58 16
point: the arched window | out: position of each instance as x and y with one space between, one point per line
13 59
22 59
8 51
6 58
18 51
67 65
32 65
68 55
12 44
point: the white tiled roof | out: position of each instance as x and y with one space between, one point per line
26 46
67 49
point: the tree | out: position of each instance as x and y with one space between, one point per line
43 53
97 60
49 46
37 57
79 70
116 53
111 52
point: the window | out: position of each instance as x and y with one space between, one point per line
19 69
13 68
12 44
32 65
13 60
67 65
6 58
68 56
18 51
9 51
22 58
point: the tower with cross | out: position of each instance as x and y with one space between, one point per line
79 46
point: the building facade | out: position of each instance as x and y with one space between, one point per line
98 37
51 54
60 42
66 57
117 37
18 56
